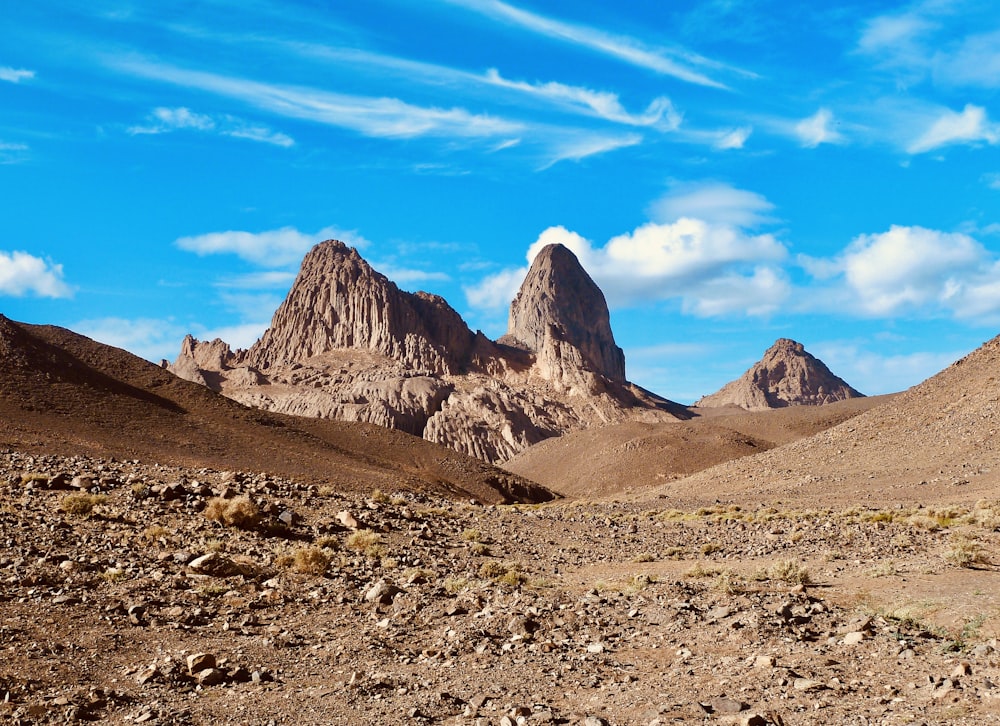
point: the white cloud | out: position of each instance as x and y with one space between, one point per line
713 269
273 248
579 146
734 139
165 120
893 34
12 153
602 104
992 180
816 130
369 116
912 270
968 127
714 202
495 291
408 275
147 338
623 48
160 339
15 75
22 274
976 62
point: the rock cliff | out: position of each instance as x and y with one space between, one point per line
348 344
787 375
558 310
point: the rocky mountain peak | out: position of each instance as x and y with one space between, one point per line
560 306
787 375
339 301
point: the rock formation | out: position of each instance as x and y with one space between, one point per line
348 344
787 375
559 309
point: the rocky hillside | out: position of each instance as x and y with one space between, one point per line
62 393
787 375
348 344
940 434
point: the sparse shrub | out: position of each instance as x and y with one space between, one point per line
644 557
965 552
81 504
700 570
674 553
789 571
215 545
310 561
140 490
366 542
379 496
454 585
327 542
504 573
728 583
639 582
472 535
239 512
710 548
480 549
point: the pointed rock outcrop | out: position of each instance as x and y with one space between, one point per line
787 375
560 314
348 344
338 301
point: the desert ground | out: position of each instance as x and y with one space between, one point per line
182 567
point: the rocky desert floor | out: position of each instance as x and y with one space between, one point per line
143 594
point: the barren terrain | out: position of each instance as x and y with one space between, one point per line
165 565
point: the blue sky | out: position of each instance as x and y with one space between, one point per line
729 171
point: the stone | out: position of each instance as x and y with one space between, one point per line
724 704
211 677
853 638
753 719
217 565
347 519
382 592
197 662
147 675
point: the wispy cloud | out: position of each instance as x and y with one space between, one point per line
369 116
734 139
714 202
968 127
12 153
24 274
817 129
629 50
273 248
15 75
601 104
165 120
574 147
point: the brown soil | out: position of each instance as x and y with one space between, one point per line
632 456
333 603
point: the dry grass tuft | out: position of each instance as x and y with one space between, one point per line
239 512
81 505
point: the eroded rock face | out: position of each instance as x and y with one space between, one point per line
338 301
348 344
560 307
787 375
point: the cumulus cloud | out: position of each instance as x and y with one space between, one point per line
23 274
968 127
714 202
15 75
273 248
165 120
913 270
817 130
713 269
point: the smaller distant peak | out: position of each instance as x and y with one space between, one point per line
788 344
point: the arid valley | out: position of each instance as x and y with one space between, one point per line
376 516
